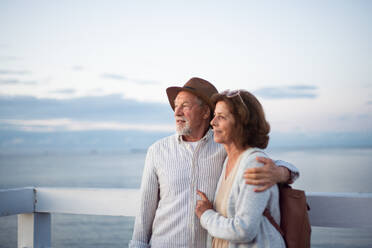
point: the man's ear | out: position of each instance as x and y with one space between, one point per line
207 112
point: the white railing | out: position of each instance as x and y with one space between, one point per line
34 207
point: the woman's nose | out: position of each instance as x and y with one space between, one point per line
213 122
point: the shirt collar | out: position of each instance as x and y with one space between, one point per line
207 136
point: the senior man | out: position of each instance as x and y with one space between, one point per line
179 165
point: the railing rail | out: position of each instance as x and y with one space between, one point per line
34 207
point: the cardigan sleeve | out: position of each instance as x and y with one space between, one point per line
249 206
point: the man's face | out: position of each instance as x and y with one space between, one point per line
188 113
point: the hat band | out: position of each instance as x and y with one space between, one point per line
188 87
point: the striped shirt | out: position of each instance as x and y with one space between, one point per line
173 171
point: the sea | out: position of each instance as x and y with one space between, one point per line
322 170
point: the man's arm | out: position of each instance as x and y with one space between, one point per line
271 173
149 202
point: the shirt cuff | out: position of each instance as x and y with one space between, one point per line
138 244
294 172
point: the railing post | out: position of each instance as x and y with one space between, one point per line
34 230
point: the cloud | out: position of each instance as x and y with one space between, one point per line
77 68
125 78
8 58
113 76
53 125
144 82
9 81
344 117
294 91
14 72
17 141
15 81
362 116
63 91
95 108
302 87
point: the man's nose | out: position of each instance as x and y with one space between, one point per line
177 111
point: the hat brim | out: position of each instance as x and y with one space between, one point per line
172 93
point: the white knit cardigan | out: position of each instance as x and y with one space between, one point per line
245 226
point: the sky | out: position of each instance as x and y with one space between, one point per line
73 66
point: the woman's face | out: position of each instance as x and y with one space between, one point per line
223 124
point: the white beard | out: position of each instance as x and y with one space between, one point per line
184 130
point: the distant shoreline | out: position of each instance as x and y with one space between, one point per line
107 152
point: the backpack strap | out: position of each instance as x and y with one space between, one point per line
267 214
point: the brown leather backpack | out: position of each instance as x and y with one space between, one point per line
294 224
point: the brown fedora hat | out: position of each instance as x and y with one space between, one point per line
197 86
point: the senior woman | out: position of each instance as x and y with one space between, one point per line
237 218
